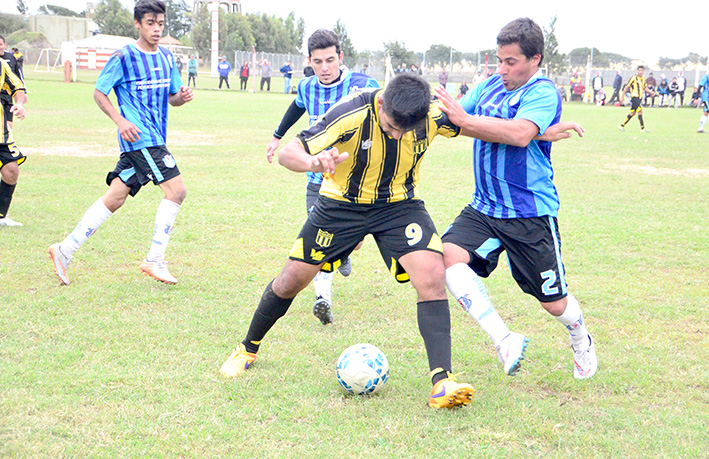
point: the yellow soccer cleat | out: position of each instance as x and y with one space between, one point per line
447 393
237 363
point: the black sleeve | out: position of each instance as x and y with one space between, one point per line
291 117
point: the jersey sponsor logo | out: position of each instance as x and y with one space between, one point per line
324 239
169 161
367 144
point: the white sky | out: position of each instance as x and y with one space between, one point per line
636 30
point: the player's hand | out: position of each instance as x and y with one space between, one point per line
327 160
560 130
451 107
18 111
128 131
186 94
271 149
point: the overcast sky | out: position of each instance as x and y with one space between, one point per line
637 30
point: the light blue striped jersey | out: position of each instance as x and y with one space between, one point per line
515 182
317 98
143 83
705 91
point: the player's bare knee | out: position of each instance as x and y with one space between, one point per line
10 173
555 308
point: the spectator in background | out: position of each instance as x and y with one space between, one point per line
265 74
224 68
674 94
597 85
575 80
443 77
663 89
477 78
192 71
364 69
462 89
682 83
308 70
20 59
652 86
180 65
600 98
562 92
287 71
416 70
578 92
244 75
617 86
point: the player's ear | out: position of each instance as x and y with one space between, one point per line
342 56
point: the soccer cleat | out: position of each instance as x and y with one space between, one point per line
585 360
9 222
345 267
61 263
323 310
237 363
621 128
643 130
158 271
447 393
510 352
700 131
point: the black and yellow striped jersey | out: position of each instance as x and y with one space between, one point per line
636 86
10 84
379 168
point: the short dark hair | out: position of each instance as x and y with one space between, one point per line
3 39
527 34
143 7
407 100
321 39
641 67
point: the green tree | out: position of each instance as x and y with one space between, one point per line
441 55
177 21
10 23
56 10
552 58
399 54
201 30
22 7
115 19
345 43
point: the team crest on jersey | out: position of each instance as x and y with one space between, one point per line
169 161
420 146
324 239
354 89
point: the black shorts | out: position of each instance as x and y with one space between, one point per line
9 153
334 228
635 103
6 108
312 193
137 168
533 248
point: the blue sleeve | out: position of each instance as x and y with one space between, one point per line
372 83
175 78
111 75
539 104
299 96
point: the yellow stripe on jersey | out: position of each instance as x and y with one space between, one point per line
636 86
379 168
10 84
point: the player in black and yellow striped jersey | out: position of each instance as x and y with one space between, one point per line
10 155
369 147
637 86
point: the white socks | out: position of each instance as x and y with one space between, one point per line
323 285
164 221
572 319
702 122
92 219
470 292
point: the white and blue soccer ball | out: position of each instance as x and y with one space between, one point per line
362 369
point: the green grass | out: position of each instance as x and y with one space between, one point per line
117 365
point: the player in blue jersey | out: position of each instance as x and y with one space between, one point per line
316 94
704 90
145 80
515 204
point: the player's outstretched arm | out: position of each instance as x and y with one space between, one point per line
128 131
294 157
561 130
182 96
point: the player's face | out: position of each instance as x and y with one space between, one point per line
514 67
326 64
3 45
641 72
150 29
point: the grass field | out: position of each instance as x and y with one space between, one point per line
117 365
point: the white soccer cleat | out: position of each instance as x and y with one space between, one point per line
585 360
9 222
61 263
158 271
510 352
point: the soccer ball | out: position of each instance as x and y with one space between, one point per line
362 369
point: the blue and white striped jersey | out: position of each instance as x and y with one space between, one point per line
515 182
317 98
143 83
705 92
